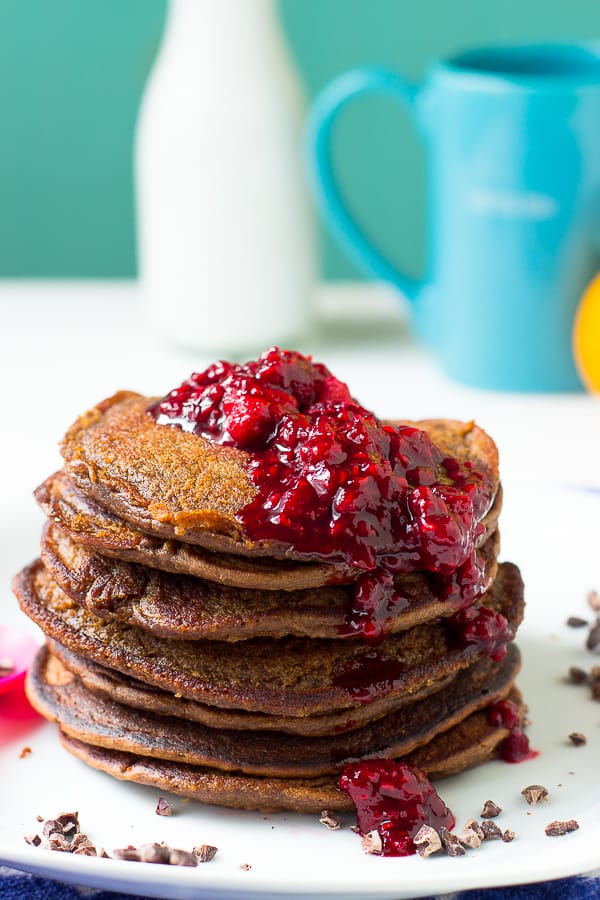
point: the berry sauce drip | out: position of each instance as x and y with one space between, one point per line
514 748
488 630
335 484
395 800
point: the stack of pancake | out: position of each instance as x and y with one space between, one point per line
183 655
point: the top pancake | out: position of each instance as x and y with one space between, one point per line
177 485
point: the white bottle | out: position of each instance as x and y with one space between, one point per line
225 231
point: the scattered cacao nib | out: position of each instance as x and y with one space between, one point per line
578 676
355 829
39 818
472 834
490 810
451 843
593 599
205 852
52 826
57 841
556 828
593 638
371 842
24 752
245 867
7 667
427 841
158 853
577 622
33 839
533 793
330 820
69 822
163 807
182 858
490 830
577 738
596 689
508 836
129 853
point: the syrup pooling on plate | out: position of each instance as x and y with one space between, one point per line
395 800
336 484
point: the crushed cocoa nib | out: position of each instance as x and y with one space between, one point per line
577 738
245 867
182 858
69 822
490 810
204 852
533 793
7 667
490 830
63 834
56 841
33 839
578 676
427 841
577 622
593 599
508 836
556 828
371 842
129 853
163 807
24 752
355 829
52 826
330 820
593 638
451 843
159 853
472 834
596 689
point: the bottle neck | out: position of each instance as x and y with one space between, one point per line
222 22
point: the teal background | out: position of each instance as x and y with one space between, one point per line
71 75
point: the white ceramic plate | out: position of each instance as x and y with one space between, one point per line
553 535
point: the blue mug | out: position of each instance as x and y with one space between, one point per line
513 142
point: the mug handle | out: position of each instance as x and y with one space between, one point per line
337 94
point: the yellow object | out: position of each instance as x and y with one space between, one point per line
586 337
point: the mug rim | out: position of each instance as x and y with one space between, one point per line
527 65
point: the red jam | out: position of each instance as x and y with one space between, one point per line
395 800
489 631
515 748
336 484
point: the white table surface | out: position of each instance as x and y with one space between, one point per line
66 345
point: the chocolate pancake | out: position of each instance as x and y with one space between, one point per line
132 692
467 744
89 525
290 676
61 697
180 606
176 485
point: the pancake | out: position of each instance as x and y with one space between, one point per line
132 692
179 606
290 676
177 485
88 524
467 744
61 697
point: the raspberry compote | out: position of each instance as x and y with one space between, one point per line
515 747
395 800
334 483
